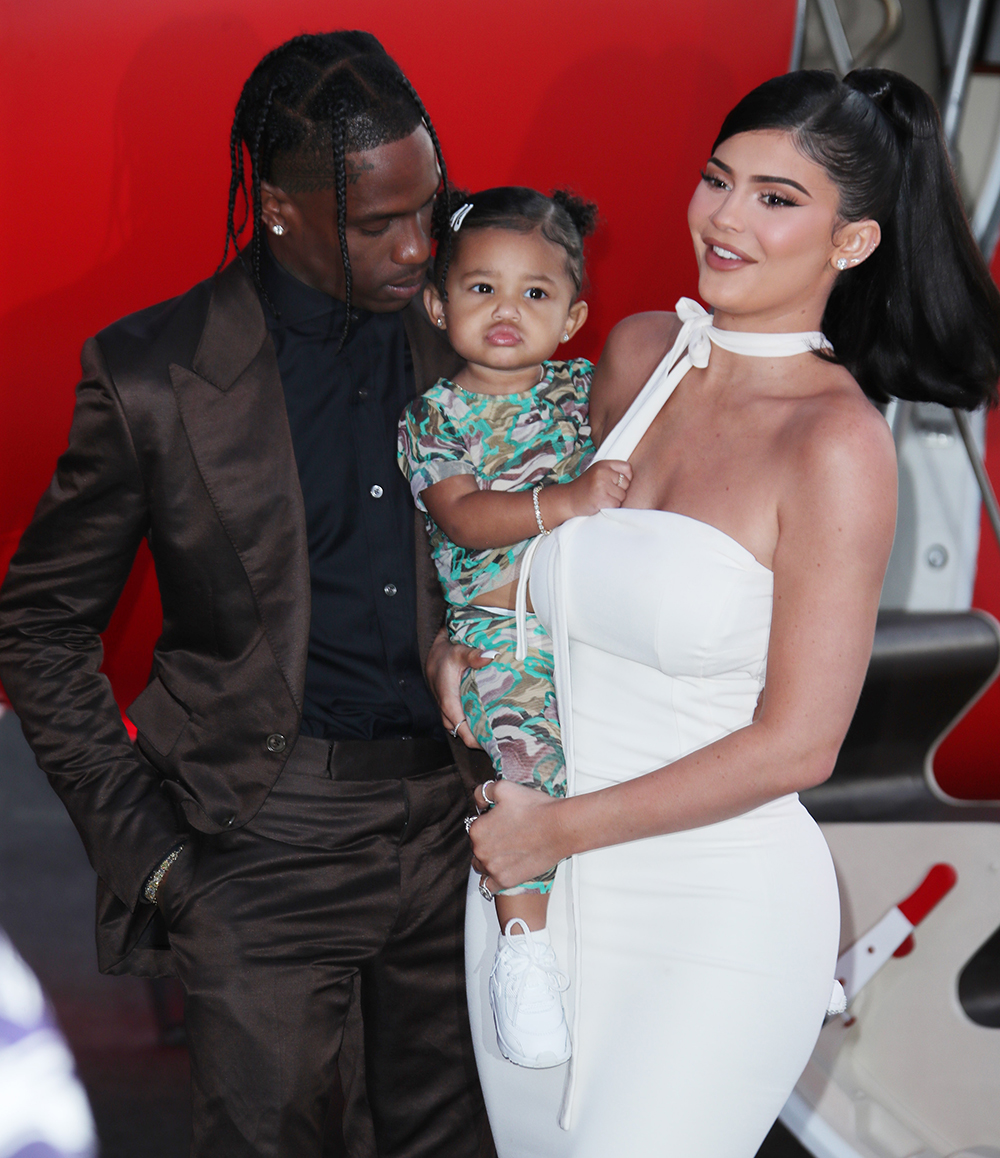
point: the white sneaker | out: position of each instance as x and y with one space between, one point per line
838 1000
524 995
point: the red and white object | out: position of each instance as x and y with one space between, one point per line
857 965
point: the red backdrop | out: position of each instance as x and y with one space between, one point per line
115 136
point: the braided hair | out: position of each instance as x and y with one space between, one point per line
307 104
563 218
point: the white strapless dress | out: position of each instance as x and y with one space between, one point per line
701 962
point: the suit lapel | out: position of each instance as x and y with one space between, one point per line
233 410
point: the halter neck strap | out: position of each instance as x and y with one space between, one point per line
693 347
698 322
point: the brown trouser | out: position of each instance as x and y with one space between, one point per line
272 926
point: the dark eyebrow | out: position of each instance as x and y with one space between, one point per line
781 181
762 180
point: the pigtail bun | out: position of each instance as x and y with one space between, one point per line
582 213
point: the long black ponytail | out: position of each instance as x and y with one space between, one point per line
920 318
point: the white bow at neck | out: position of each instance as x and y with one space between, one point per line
698 334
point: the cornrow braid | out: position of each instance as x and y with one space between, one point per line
257 239
335 91
237 181
454 200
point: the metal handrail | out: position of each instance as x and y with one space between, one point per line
972 23
891 28
986 219
979 469
843 58
798 37
840 48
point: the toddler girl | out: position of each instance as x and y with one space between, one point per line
494 458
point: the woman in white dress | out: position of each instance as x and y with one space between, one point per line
696 906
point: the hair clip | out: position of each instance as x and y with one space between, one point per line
460 215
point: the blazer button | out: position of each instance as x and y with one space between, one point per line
276 742
390 589
376 492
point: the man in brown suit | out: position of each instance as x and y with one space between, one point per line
286 836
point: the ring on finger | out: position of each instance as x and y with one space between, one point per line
470 820
489 800
454 731
621 478
484 892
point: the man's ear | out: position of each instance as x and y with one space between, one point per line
276 207
434 306
854 242
574 319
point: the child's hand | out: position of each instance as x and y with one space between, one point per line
602 485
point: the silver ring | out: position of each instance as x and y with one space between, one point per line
454 731
621 478
489 802
470 820
484 892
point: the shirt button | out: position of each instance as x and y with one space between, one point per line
390 589
376 492
362 393
276 742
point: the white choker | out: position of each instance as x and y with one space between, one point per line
699 334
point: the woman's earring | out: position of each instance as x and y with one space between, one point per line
277 230
565 337
841 263
440 322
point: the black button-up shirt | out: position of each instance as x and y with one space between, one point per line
363 676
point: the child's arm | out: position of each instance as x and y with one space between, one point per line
481 519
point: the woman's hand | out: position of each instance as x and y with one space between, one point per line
446 663
517 838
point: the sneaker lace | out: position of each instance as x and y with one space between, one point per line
533 966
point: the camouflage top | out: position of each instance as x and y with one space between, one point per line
507 442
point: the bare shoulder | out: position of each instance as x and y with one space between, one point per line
840 422
632 352
843 457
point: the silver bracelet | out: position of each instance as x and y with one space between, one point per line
538 513
153 883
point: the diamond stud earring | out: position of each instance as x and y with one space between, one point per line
841 263
277 230
440 322
565 337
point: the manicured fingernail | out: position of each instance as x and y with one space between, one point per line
492 654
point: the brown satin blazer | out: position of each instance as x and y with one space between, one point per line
179 435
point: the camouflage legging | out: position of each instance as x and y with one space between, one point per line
510 706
